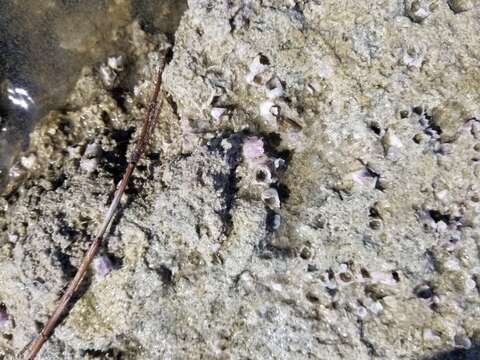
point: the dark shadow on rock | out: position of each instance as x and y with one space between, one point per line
457 354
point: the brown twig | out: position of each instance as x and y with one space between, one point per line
148 124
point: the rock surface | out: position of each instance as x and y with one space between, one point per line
363 119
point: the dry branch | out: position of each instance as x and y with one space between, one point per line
148 124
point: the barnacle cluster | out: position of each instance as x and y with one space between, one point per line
260 75
263 172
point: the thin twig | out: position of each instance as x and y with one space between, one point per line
148 124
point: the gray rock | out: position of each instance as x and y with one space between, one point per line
375 254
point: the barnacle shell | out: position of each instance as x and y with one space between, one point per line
271 199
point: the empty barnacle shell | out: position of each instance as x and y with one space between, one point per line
259 65
269 111
278 163
363 176
217 112
253 148
108 75
28 162
276 221
271 199
92 151
274 88
263 174
102 266
391 143
418 10
116 62
411 57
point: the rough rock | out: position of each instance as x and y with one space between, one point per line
373 252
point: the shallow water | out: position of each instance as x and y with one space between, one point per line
45 43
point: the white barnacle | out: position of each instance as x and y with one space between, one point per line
217 112
89 165
28 162
92 151
361 311
116 62
263 174
108 75
102 266
271 199
276 222
375 307
274 88
278 163
253 148
391 142
258 66
418 10
269 111
364 177
412 58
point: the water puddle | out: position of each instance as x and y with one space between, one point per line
44 45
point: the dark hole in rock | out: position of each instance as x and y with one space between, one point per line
365 273
346 276
312 268
165 274
312 297
283 192
438 216
332 292
118 94
423 291
375 128
418 110
260 175
264 60
305 253
373 212
395 276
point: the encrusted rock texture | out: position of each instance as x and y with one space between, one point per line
311 191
